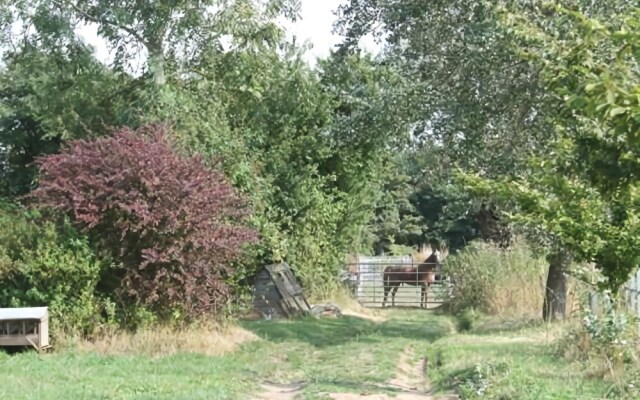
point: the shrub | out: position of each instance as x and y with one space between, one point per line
466 319
496 281
480 380
44 264
605 341
173 224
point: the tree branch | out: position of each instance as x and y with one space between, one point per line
101 20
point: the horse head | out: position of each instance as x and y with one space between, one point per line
433 262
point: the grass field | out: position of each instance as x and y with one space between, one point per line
345 355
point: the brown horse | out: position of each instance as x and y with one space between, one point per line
423 275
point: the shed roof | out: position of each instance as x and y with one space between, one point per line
38 313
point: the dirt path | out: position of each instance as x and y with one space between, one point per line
410 376
274 391
411 383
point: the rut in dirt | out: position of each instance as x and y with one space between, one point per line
410 383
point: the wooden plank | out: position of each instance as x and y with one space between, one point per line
282 287
18 340
277 291
288 288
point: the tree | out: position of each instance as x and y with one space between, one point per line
173 224
586 195
478 105
472 97
49 96
474 103
165 30
307 147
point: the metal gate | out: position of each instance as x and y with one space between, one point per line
366 274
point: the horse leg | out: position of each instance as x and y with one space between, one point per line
426 294
423 294
393 295
386 286
386 291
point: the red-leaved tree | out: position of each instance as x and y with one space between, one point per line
174 224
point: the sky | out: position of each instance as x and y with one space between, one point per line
314 26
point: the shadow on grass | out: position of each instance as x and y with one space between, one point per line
336 331
16 350
495 326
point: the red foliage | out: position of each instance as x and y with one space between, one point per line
173 223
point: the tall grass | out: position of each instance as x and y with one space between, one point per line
211 339
509 283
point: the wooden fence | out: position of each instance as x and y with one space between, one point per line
631 293
630 298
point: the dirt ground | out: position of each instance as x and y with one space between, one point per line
410 383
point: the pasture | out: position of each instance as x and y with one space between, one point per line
346 358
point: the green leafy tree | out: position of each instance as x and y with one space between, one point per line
308 147
478 104
48 97
166 30
474 103
586 194
315 145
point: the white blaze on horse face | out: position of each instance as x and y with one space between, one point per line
438 261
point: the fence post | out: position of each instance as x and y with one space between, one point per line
633 293
593 302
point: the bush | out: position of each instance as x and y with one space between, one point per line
44 264
466 319
495 281
479 381
173 224
606 341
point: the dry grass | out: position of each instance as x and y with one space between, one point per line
350 306
518 295
497 282
212 339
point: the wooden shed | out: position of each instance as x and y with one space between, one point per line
277 294
24 327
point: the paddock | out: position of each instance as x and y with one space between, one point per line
366 281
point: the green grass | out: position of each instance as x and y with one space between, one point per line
87 376
333 355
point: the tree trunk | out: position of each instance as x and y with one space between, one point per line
555 298
156 65
156 60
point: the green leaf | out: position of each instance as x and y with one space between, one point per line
617 111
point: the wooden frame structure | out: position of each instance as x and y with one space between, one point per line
25 327
276 293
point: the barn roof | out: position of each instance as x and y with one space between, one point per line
38 313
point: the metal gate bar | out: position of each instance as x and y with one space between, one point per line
367 278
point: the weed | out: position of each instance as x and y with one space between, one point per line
208 339
477 381
497 281
602 342
466 320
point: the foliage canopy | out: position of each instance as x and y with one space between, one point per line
585 190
